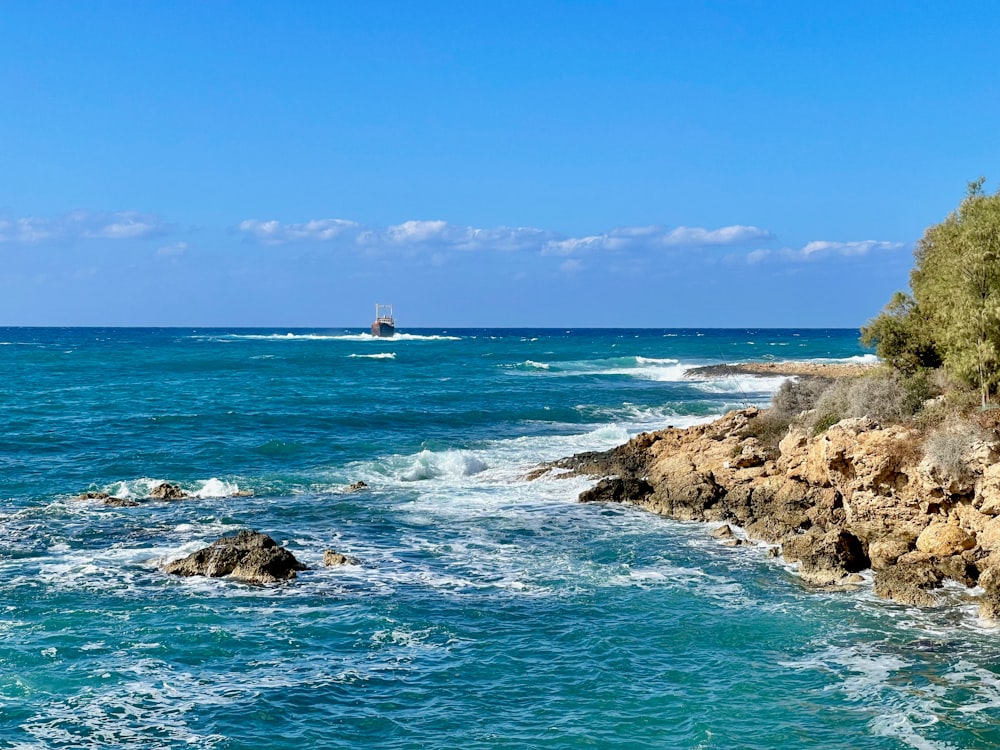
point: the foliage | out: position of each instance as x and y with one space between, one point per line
797 395
901 336
884 395
954 311
769 427
946 448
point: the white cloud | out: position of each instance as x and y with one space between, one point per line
653 237
846 248
736 234
122 225
821 249
275 233
439 240
570 266
419 231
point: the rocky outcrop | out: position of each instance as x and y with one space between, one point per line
332 558
249 556
167 491
858 495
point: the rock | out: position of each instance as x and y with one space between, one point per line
248 556
243 493
988 490
91 495
167 491
120 502
751 454
106 499
357 486
826 558
723 532
333 558
909 583
944 540
617 490
885 552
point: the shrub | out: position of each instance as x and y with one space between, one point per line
798 395
831 406
888 397
769 427
946 448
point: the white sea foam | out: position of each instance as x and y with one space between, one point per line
379 355
537 365
216 488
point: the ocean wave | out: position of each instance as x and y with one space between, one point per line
380 355
141 488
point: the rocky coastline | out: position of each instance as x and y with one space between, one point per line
856 496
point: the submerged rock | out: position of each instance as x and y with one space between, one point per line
106 499
249 556
332 558
357 486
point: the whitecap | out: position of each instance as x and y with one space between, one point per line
380 355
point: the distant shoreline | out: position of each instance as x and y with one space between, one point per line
779 369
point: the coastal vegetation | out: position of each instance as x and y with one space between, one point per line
939 345
951 316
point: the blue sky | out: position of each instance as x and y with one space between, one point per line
500 164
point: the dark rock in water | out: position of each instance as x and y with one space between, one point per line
357 486
91 495
120 502
167 491
106 499
249 556
332 558
617 490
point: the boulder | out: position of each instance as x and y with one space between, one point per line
826 558
167 491
248 556
332 558
909 582
723 532
617 490
988 490
944 540
885 552
357 486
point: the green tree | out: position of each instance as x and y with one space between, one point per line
956 283
952 316
901 336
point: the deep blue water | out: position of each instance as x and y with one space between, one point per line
488 611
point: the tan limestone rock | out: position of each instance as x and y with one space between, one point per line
944 539
885 552
988 490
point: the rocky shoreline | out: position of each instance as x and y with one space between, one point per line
857 496
784 369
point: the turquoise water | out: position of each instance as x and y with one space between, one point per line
488 611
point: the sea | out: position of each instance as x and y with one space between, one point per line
485 610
